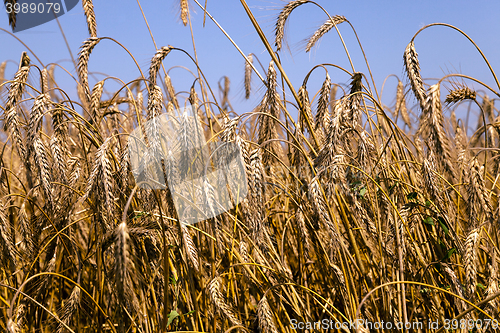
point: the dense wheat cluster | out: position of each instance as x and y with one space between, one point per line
355 209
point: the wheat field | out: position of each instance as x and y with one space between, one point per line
355 209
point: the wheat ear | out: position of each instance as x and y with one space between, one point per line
88 9
265 317
460 94
220 303
83 63
248 75
327 26
412 67
154 67
282 17
470 258
16 91
184 11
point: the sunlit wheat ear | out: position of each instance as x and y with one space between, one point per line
225 92
460 94
36 146
184 11
267 124
488 106
122 258
12 326
493 284
214 289
248 75
3 65
304 99
430 179
329 149
401 104
59 159
352 113
341 279
95 99
124 168
456 285
83 64
194 100
74 169
265 317
88 9
243 249
256 196
208 193
171 91
7 241
478 198
298 158
156 63
282 17
16 90
470 258
44 170
418 147
44 81
412 68
432 127
327 26
51 82
71 306
155 100
321 208
303 232
322 119
26 231
190 247
101 180
35 122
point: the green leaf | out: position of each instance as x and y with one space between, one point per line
427 203
393 186
449 253
172 315
481 286
362 192
442 223
429 220
412 195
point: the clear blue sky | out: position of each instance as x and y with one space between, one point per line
384 28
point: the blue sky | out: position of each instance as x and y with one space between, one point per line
384 28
